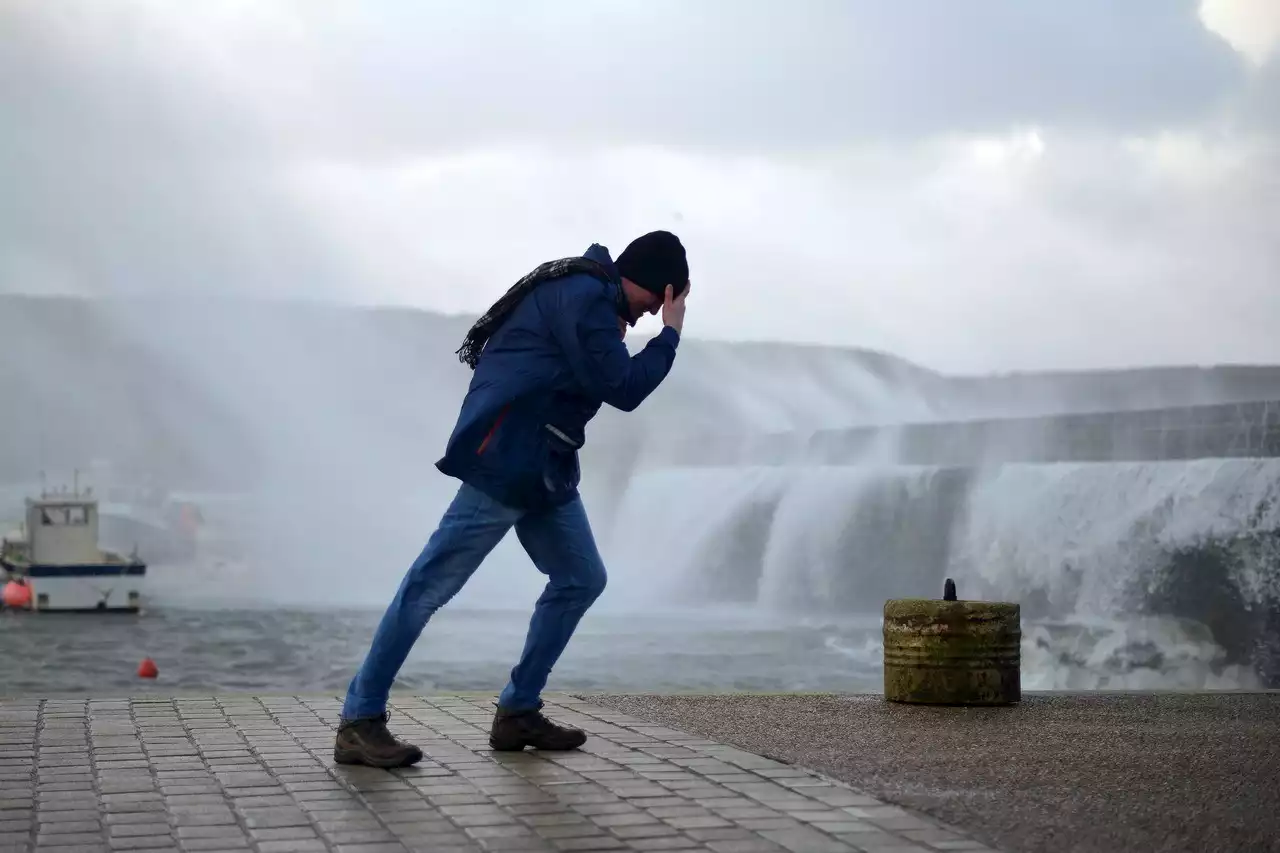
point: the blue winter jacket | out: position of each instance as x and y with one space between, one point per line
541 377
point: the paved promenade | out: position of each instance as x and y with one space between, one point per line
242 773
1094 772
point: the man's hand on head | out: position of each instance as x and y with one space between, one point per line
673 308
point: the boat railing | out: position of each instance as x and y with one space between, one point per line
14 549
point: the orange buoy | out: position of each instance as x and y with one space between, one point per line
16 594
148 669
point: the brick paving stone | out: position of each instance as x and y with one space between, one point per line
236 773
125 830
147 842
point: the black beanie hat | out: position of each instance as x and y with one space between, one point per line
654 261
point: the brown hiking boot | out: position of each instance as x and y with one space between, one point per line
367 741
514 730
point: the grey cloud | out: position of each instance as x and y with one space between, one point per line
110 86
767 75
757 74
1257 105
123 173
132 159
129 228
393 79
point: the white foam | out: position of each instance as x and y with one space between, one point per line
1081 532
1078 536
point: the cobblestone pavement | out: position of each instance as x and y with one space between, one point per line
244 773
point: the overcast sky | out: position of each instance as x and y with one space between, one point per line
975 185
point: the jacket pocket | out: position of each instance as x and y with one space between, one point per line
560 469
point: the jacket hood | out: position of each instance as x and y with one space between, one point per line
600 254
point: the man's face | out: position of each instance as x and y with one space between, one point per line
641 301
649 303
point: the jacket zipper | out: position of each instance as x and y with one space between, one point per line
496 423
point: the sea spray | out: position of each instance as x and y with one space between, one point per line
1079 544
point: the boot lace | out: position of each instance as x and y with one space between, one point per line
375 731
540 721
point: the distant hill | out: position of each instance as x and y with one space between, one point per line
213 392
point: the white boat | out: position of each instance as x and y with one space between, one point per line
57 554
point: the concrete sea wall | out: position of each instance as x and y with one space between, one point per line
1236 430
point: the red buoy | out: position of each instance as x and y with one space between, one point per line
148 669
16 594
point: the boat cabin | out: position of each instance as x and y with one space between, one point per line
62 529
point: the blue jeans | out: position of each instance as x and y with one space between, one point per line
560 543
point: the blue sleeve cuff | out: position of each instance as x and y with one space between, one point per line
673 337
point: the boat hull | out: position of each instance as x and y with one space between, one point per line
83 588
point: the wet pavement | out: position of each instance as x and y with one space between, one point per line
240 773
1094 772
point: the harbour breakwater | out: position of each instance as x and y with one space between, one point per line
1116 564
1143 539
1231 430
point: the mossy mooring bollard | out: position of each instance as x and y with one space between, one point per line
952 652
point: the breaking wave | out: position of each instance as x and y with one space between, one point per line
1144 574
